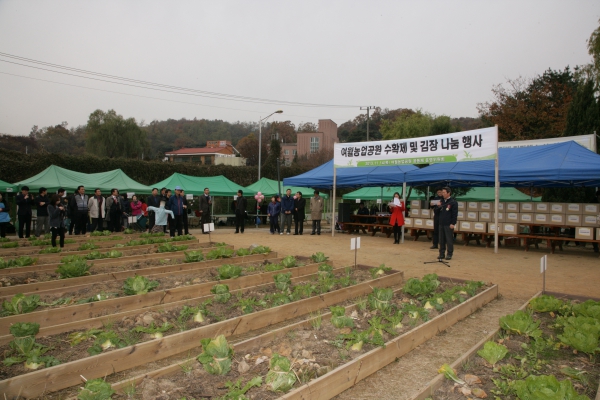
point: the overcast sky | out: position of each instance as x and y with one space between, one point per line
440 56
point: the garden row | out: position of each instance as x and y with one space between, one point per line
8 244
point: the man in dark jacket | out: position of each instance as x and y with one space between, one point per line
176 205
433 204
79 204
24 201
300 213
153 201
287 209
184 220
448 215
205 204
41 205
240 212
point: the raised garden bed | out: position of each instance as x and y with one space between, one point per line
66 375
517 358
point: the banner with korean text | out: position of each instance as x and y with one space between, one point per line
480 144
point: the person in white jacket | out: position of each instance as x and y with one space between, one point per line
97 210
160 217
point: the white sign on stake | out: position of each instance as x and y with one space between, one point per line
357 201
355 243
378 201
235 197
543 265
130 195
189 196
209 227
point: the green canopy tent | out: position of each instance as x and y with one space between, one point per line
475 194
53 178
218 185
6 187
269 187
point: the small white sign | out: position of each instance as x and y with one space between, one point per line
396 201
357 201
543 265
9 190
378 201
235 197
189 196
130 195
355 243
209 227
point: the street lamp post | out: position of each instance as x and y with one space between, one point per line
260 138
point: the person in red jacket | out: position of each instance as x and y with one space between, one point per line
396 207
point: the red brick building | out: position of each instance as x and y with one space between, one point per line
311 142
216 152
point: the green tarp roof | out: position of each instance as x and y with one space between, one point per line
268 187
218 185
475 194
53 178
6 187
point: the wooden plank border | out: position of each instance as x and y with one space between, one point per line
62 376
347 375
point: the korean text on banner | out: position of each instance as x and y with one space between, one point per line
480 144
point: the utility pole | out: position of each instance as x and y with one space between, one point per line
368 108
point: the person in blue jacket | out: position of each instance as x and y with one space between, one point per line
161 214
4 216
273 211
177 206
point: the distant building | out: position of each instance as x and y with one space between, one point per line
216 152
311 142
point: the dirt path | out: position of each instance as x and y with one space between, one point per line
574 271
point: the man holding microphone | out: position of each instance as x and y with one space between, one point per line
24 201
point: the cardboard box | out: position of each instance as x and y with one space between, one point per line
472 206
472 216
415 212
500 216
573 220
418 223
591 209
597 233
526 207
429 224
584 232
408 222
485 216
512 207
511 217
589 220
558 219
526 218
510 228
491 227
415 204
460 215
542 208
480 227
501 207
542 219
558 208
574 208
462 205
486 206
466 226
426 213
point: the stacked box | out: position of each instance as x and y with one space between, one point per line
542 208
415 204
558 219
415 212
408 222
486 206
542 219
500 206
492 227
584 232
573 220
460 215
589 220
485 216
426 213
526 218
510 228
574 208
472 206
512 207
462 205
558 208
429 224
466 226
500 217
418 223
480 227
526 207
591 209
512 217
472 216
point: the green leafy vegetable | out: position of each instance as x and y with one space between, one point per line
589 308
155 234
100 233
114 254
77 337
96 389
155 331
280 377
10 245
22 329
20 304
520 323
22 261
273 267
425 287
104 341
380 299
339 319
128 231
283 281
168 247
219 252
242 252
546 387
379 271
216 355
450 373
237 392
71 258
139 285
289 262
193 256
493 352
319 257
221 292
87 246
261 250
73 269
229 271
545 303
50 250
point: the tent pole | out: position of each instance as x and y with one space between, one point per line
381 204
404 200
496 193
333 207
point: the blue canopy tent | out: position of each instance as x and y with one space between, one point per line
322 176
565 164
